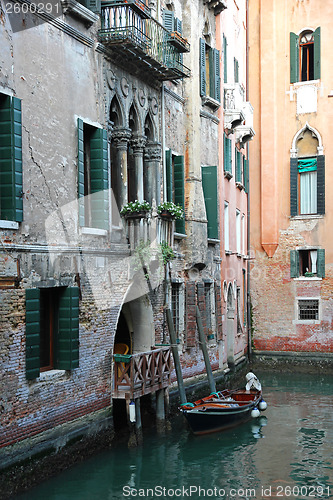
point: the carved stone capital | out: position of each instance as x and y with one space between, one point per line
138 143
153 151
121 137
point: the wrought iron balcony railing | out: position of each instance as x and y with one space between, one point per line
137 5
140 43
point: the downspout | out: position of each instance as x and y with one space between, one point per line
249 325
163 141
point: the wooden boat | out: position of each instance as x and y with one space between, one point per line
223 409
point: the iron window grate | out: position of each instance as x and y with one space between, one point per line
308 309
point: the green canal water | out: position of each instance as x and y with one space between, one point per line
285 453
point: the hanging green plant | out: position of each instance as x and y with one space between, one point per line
167 252
136 207
170 209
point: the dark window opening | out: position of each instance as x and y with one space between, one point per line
49 317
308 309
307 57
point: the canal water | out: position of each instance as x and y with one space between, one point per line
285 453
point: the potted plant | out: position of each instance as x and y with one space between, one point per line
135 209
170 210
167 252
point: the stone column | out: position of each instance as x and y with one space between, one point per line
138 143
120 139
152 172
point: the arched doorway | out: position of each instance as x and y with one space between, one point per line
230 326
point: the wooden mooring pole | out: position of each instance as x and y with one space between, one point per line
203 345
175 354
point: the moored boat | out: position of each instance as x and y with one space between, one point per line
224 409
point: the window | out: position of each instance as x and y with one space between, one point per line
305 56
226 227
227 160
93 176
176 184
308 309
239 309
11 186
307 185
238 232
244 297
307 263
209 71
209 186
52 329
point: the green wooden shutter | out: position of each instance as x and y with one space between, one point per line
99 178
168 19
80 171
178 25
209 186
202 66
316 74
246 174
93 5
227 155
321 263
238 166
179 180
11 184
236 70
293 186
321 184
169 176
32 333
294 264
214 74
67 342
225 65
294 58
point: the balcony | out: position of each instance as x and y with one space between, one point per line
245 132
141 373
234 100
136 5
139 43
216 5
179 42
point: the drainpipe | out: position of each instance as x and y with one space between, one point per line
163 141
249 326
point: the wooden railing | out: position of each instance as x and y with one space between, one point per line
142 373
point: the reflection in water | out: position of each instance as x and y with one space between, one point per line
288 447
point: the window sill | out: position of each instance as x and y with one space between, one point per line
239 185
51 375
76 9
210 102
228 175
93 231
307 322
7 224
308 278
179 236
213 241
228 252
307 217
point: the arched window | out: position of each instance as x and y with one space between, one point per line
305 56
307 173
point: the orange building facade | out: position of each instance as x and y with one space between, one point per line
290 85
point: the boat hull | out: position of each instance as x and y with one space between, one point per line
208 416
